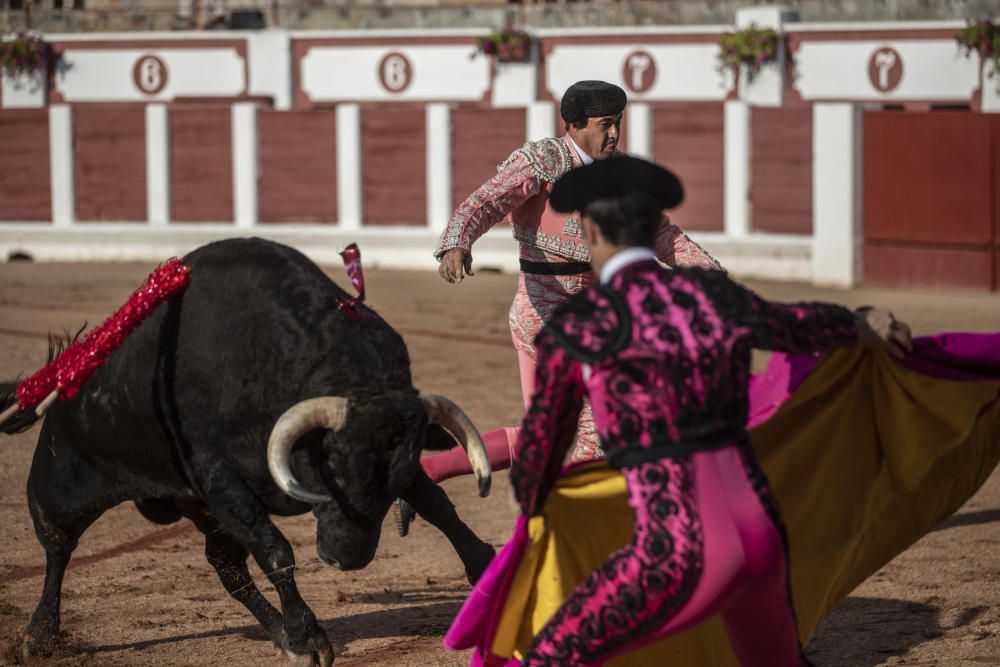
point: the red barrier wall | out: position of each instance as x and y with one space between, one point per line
201 164
298 166
781 164
109 145
930 199
688 139
25 190
394 170
480 140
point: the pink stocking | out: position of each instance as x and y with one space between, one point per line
499 442
499 449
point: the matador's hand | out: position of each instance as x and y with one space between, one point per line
878 329
455 265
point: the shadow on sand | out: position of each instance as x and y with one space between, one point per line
419 620
865 632
969 519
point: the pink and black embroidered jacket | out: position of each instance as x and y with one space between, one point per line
664 356
521 189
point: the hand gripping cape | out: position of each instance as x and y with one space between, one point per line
865 455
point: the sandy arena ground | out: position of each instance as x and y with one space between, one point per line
139 594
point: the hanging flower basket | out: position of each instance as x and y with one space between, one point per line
509 45
751 48
25 54
982 37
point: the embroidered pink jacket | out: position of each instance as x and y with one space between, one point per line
521 189
664 357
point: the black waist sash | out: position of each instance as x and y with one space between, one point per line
634 454
555 268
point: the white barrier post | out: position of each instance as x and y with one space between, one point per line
157 165
61 165
270 66
245 164
639 128
24 91
349 192
990 93
737 169
514 83
541 120
768 86
837 194
438 124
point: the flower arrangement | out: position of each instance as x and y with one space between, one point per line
983 37
751 47
509 44
25 54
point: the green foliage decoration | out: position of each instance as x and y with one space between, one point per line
25 53
982 37
752 48
508 44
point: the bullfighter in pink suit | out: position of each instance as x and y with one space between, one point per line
554 257
664 356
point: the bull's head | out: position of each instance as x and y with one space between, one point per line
369 457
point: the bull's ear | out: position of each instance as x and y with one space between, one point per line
439 439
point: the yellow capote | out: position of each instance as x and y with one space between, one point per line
865 458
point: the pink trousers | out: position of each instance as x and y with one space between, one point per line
537 297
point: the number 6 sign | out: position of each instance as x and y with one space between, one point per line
150 74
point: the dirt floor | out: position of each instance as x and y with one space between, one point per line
140 594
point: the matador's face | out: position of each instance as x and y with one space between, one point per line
599 138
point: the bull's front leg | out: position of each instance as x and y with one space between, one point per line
229 559
241 514
432 503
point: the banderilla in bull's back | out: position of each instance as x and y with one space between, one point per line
63 376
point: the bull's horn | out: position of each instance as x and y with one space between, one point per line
325 412
445 413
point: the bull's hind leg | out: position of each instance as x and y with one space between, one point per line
65 496
241 515
432 503
229 558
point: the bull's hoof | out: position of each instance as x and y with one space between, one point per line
404 517
311 659
315 651
37 643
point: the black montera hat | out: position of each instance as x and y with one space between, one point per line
587 99
616 178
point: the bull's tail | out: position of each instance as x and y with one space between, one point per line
22 420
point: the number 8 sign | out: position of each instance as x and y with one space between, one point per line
395 72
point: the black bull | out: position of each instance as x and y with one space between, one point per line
183 419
